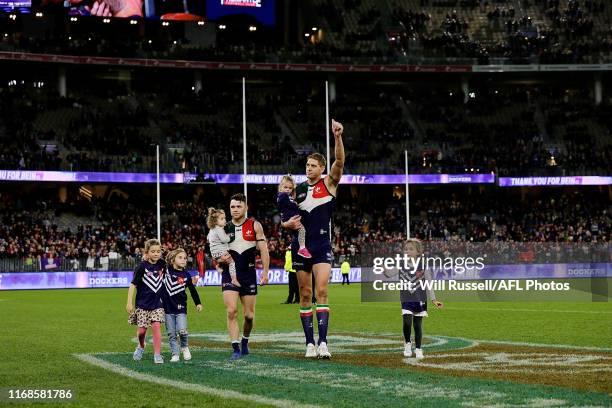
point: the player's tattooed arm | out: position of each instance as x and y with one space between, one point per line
337 168
262 246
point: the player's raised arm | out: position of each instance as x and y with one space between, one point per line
335 173
262 246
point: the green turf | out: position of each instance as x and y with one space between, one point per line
42 329
332 383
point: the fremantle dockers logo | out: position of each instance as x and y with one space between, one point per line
174 284
153 279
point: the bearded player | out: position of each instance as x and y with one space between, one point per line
316 198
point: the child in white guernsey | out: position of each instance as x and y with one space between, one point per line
219 241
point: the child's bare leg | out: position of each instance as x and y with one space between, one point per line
156 326
303 251
302 236
232 271
141 334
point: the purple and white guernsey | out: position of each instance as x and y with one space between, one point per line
148 279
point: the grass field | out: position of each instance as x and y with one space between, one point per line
479 354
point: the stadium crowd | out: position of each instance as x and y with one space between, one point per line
30 236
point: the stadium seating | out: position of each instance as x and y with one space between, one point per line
507 130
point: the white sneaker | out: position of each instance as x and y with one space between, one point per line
186 353
408 350
311 351
138 353
175 358
323 351
418 353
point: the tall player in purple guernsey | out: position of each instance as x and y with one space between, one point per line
316 198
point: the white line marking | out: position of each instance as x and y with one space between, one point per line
283 403
522 343
491 309
517 362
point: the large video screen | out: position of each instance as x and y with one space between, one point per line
263 10
185 10
10 5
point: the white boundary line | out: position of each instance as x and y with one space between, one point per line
511 343
491 309
517 362
283 403
544 345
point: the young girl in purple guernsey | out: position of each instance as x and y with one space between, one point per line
175 302
148 283
414 302
289 208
